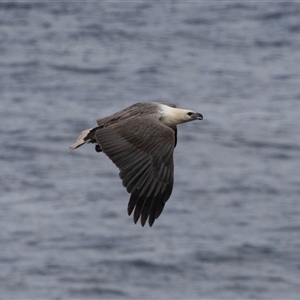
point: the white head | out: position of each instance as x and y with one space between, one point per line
172 116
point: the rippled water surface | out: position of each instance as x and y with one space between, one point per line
232 226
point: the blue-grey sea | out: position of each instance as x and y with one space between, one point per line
231 229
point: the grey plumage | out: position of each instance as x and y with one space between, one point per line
140 141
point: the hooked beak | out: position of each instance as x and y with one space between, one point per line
198 116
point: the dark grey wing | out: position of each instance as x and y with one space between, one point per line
169 104
142 148
175 135
136 110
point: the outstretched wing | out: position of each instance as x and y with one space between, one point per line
142 148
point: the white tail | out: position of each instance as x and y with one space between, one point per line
81 139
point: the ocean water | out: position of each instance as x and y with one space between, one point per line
231 228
